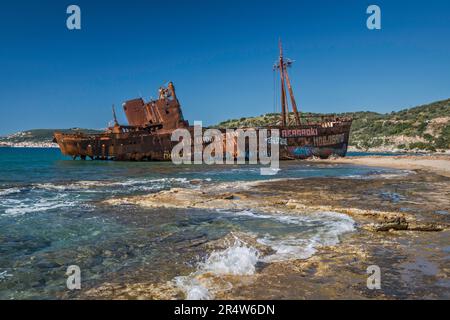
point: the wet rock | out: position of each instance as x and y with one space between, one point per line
47 264
401 223
107 253
426 227
228 196
391 224
139 291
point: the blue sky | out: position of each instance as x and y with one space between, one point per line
219 54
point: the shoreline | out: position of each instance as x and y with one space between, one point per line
438 164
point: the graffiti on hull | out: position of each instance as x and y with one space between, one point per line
304 152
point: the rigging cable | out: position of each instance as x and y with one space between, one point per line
275 92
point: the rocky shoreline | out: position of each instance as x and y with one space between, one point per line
402 226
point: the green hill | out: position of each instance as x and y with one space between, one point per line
425 127
38 136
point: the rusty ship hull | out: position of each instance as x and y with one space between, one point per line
296 142
109 146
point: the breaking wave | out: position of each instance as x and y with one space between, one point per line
4 275
96 186
14 207
320 229
237 259
39 197
5 192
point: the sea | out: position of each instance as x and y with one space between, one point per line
53 215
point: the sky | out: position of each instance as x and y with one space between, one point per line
219 54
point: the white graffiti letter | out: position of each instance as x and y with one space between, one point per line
374 20
374 278
73 22
74 277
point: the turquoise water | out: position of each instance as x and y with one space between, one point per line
52 216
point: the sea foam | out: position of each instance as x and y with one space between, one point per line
324 228
97 186
239 258
15 207
8 191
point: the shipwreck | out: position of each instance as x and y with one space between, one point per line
147 136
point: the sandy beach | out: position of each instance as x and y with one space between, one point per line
439 164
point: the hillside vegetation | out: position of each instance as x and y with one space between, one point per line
425 127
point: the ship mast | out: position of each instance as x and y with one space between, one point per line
116 123
283 91
282 66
